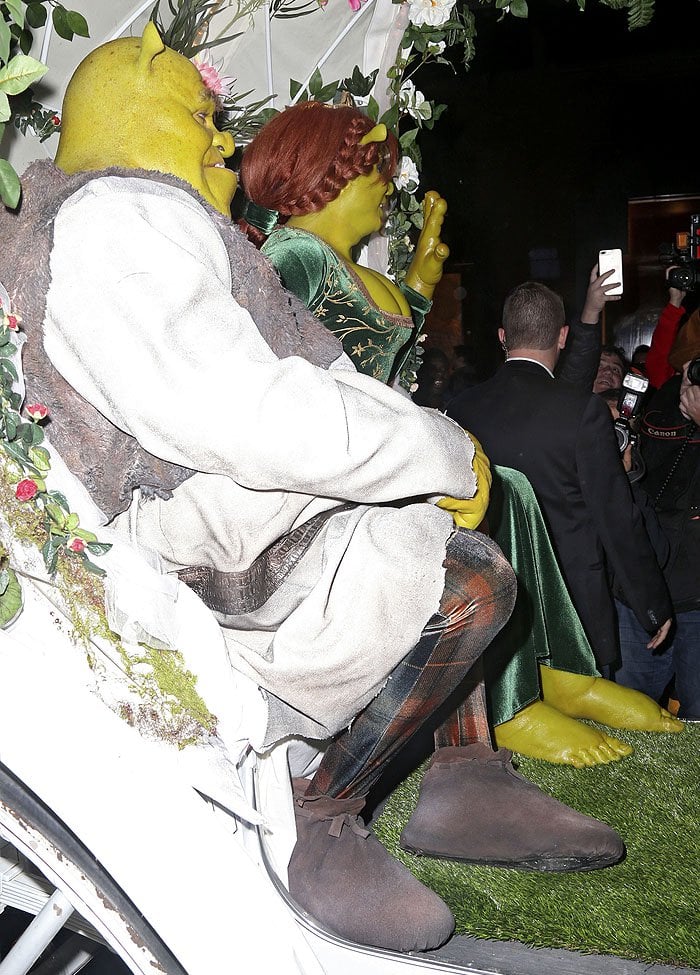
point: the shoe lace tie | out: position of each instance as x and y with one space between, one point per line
345 819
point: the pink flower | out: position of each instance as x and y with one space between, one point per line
217 84
13 322
76 545
37 411
354 4
26 490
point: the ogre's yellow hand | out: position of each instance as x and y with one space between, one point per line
431 253
470 512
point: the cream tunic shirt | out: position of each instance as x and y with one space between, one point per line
140 320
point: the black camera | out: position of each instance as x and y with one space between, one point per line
694 372
684 255
629 405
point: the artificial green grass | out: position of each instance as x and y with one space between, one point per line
646 907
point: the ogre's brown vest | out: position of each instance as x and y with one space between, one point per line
108 461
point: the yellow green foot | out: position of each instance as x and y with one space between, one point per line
583 696
541 731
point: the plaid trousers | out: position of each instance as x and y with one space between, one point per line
476 602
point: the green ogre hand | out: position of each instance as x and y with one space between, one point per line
427 264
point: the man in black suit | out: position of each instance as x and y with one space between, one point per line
562 439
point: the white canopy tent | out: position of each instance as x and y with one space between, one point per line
265 55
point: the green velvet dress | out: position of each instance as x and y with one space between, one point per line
544 627
380 344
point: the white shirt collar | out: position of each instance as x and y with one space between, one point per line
524 358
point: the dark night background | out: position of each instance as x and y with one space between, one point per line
560 120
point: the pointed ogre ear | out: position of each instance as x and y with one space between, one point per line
377 134
151 46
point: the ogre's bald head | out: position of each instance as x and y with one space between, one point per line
136 103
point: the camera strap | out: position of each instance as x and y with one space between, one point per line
682 449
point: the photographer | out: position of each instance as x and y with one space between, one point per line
670 442
658 368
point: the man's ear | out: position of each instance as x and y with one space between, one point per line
502 337
563 333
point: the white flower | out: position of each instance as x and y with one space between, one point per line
407 174
410 99
436 47
433 12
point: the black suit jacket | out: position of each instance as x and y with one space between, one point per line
562 439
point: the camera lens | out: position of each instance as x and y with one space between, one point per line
682 278
622 432
694 372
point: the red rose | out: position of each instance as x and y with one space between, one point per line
13 322
26 490
76 545
56 120
37 411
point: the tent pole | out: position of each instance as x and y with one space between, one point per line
346 30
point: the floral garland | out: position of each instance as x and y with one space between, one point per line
25 469
154 691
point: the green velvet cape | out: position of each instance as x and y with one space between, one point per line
544 627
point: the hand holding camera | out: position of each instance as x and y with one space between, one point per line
683 256
690 392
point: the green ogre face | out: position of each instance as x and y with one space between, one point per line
135 103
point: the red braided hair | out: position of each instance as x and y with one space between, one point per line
303 157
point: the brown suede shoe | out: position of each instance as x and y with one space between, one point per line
342 875
473 806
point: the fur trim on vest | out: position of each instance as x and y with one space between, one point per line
108 461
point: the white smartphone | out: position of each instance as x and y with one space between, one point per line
611 260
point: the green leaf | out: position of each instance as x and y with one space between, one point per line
373 108
294 88
36 15
315 82
25 41
60 23
391 117
5 41
57 515
5 111
37 434
408 138
91 567
518 8
10 426
7 367
98 548
77 23
16 451
10 601
20 73
40 458
85 535
72 522
50 553
60 499
15 10
328 92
